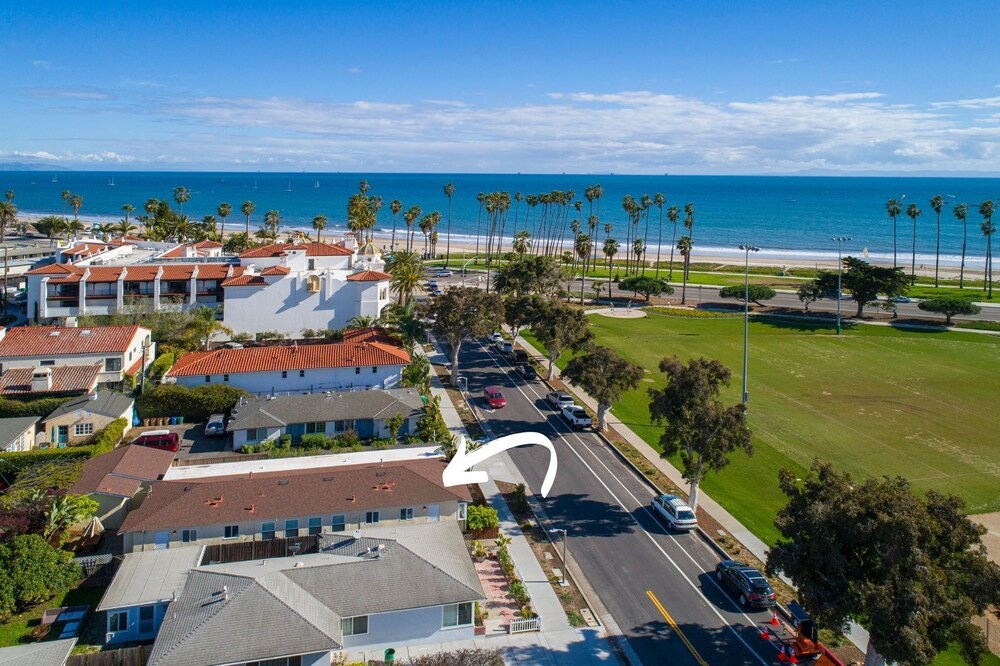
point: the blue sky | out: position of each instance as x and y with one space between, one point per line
629 87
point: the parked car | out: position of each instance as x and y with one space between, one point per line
900 299
520 356
494 398
159 439
505 346
747 583
577 416
444 272
526 371
559 399
432 285
496 338
216 425
672 509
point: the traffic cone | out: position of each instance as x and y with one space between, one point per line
774 619
782 656
765 634
792 659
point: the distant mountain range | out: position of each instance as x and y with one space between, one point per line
30 166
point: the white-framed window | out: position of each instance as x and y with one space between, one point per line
463 510
112 364
354 626
47 363
291 528
343 426
256 434
267 531
371 517
406 513
315 526
117 621
316 428
457 615
232 532
189 536
83 429
338 523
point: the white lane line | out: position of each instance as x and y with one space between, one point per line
649 536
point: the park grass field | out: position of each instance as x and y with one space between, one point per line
874 401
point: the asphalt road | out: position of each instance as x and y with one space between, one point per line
658 585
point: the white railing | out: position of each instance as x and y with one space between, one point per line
521 624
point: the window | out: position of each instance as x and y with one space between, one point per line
47 363
291 528
83 429
338 523
316 428
145 619
232 532
225 378
112 364
312 282
208 378
284 374
463 510
302 373
371 517
118 621
374 369
267 531
343 426
353 626
189 536
457 615
256 434
280 661
357 371
315 526
406 513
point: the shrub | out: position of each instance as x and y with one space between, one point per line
162 363
32 571
349 439
380 443
248 448
194 404
315 441
518 592
241 338
481 518
270 335
107 439
12 464
520 499
40 407
285 442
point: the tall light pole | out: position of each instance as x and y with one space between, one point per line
747 249
840 266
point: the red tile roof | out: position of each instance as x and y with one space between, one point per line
120 472
312 250
245 281
68 273
65 379
354 351
201 245
207 244
210 501
276 270
58 341
369 276
53 269
87 248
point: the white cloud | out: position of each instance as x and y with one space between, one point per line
979 103
68 93
354 70
44 64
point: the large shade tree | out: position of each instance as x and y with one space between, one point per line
561 327
864 281
605 375
697 425
911 570
463 313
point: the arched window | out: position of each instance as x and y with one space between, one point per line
312 283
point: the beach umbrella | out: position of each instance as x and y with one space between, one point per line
94 529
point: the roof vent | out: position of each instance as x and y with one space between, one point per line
283 482
54 334
85 331
328 478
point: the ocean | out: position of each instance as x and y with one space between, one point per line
789 217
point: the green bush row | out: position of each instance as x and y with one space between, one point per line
194 404
162 363
12 464
691 314
107 439
40 407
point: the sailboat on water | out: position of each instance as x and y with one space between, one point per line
316 184
289 188
111 183
54 179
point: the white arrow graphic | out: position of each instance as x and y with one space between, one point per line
457 473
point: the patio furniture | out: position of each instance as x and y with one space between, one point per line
51 615
40 632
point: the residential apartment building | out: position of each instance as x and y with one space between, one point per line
260 507
366 358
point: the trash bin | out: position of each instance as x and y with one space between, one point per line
173 420
390 655
180 420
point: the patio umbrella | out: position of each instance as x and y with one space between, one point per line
94 529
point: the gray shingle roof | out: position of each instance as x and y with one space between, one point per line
150 577
106 403
283 410
46 653
12 428
294 605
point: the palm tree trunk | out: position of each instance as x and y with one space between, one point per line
913 255
961 271
894 241
659 243
937 251
392 241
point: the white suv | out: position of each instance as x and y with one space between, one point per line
678 515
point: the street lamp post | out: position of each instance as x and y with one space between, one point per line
747 249
840 266
565 565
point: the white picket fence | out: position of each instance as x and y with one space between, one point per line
521 624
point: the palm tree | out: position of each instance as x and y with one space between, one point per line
224 211
76 203
659 200
894 208
9 196
480 198
684 246
272 221
123 228
522 243
639 248
583 246
127 209
182 195
449 190
610 250
65 195
937 203
182 228
961 211
988 229
407 272
103 230
8 215
913 212
409 217
426 226
319 224
645 203
152 206
360 321
50 226
374 206
247 209
210 225
395 207
628 205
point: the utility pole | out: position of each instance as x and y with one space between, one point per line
840 266
747 249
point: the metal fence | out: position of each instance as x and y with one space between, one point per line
242 551
98 569
991 628
133 656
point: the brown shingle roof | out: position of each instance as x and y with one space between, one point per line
173 504
356 350
312 250
369 276
120 472
65 379
58 341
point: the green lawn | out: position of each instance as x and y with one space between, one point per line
15 630
873 401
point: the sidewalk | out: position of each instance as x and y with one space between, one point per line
856 634
557 642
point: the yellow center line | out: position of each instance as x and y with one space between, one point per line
670 621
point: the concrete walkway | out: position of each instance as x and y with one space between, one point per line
558 642
750 541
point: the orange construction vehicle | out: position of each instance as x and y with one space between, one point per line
799 641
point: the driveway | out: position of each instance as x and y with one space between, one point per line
194 443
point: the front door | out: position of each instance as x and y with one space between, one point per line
162 541
433 513
62 435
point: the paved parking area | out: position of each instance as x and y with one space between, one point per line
194 443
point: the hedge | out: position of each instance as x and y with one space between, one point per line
194 404
16 462
40 407
107 439
162 363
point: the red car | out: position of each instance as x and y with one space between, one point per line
494 398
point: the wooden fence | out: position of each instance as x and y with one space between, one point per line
487 533
215 460
133 656
241 551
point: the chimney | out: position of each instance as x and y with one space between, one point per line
225 593
41 380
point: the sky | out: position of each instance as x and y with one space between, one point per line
707 87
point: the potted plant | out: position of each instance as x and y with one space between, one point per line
480 551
